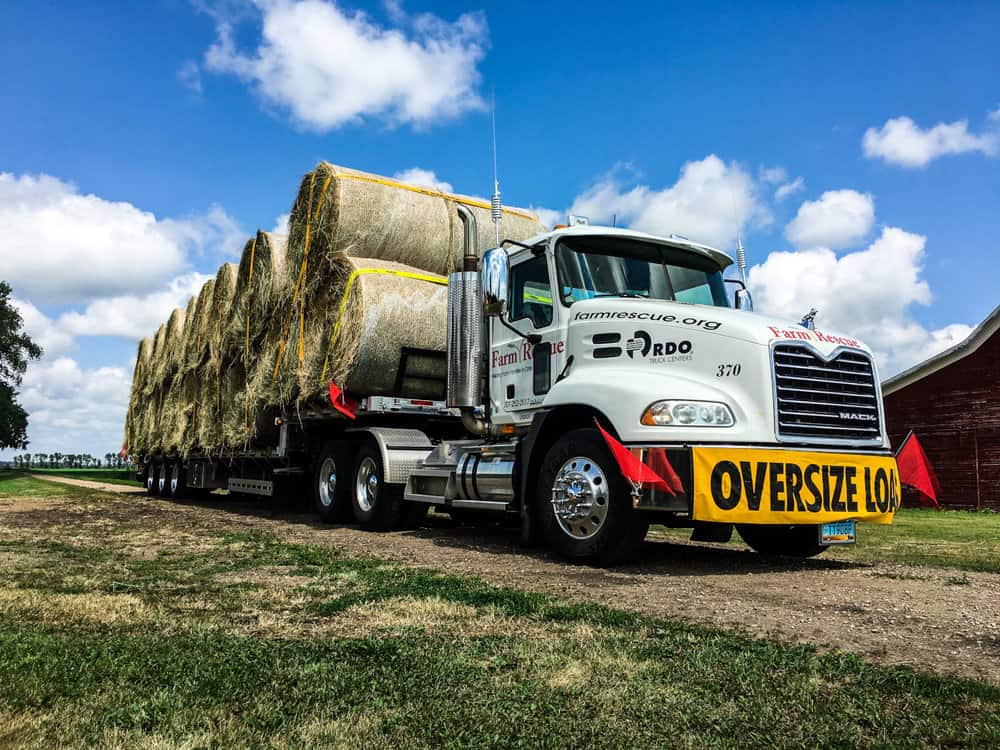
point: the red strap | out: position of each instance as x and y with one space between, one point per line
342 402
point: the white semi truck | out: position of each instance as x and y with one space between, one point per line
599 381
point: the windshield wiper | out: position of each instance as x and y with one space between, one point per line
630 295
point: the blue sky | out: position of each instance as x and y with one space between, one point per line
186 113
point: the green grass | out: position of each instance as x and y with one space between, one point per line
964 540
155 634
18 484
110 476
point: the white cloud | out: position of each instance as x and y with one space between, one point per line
994 116
423 178
711 202
281 224
868 293
328 66
61 246
132 316
838 219
73 410
42 330
773 175
189 76
901 141
549 216
789 188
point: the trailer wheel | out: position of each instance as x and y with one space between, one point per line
789 541
584 505
152 476
376 505
177 481
162 478
331 484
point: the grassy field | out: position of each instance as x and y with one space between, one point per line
111 476
157 635
918 536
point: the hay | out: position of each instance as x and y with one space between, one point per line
261 286
354 213
151 382
196 345
135 438
386 337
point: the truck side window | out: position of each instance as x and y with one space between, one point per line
531 292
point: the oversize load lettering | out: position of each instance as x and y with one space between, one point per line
793 487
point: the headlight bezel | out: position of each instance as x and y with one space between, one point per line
695 413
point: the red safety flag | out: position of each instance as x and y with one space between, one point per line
659 463
342 402
631 467
916 471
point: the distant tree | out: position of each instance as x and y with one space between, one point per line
16 350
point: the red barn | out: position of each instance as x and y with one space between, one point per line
952 403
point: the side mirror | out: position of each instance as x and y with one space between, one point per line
743 300
495 273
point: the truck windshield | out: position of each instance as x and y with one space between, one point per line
592 267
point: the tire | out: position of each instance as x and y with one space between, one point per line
152 475
176 481
331 499
377 506
787 541
162 478
601 528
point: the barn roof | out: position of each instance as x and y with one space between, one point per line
963 349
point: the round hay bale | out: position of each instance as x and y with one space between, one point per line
168 357
151 382
261 286
135 437
345 211
196 344
223 295
379 330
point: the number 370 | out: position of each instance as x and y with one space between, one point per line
728 371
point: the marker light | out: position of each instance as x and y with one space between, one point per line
688 414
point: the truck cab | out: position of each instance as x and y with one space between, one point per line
611 384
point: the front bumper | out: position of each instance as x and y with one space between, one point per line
768 485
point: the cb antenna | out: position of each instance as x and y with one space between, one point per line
496 207
741 258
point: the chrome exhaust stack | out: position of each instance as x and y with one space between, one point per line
466 332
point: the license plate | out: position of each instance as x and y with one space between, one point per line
837 532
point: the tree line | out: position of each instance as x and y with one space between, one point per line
27 461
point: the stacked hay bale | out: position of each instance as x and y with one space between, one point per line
343 223
355 295
261 287
195 356
135 434
213 369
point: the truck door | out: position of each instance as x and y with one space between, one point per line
521 373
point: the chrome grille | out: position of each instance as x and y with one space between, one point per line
825 401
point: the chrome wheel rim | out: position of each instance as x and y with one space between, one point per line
366 486
150 478
327 482
175 479
163 479
580 497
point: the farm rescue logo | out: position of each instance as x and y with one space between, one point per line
793 487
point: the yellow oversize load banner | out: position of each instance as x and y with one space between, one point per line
735 485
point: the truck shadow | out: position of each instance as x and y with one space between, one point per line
657 556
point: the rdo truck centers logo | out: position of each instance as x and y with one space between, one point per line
642 344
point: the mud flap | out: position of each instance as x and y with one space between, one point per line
706 531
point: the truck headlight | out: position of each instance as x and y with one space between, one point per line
688 414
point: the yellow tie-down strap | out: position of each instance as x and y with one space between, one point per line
347 293
431 192
774 486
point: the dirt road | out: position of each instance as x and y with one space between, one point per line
929 618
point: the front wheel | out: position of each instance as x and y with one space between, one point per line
789 541
584 505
